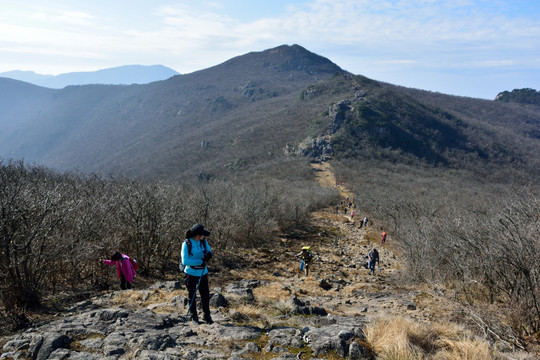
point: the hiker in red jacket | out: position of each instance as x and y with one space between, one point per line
126 268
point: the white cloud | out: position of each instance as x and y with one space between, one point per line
59 17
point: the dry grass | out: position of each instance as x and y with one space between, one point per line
404 339
271 292
250 314
470 349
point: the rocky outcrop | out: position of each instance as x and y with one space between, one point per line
96 332
521 96
337 113
319 148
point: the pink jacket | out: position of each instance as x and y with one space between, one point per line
123 266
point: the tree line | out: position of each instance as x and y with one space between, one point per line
55 226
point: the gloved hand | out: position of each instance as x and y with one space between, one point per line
207 256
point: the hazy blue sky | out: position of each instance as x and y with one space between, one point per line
464 47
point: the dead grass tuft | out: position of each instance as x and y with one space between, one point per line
271 292
403 338
250 314
466 349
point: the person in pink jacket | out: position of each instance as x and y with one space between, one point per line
126 270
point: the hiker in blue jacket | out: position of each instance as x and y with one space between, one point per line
195 254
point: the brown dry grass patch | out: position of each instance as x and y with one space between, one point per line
403 338
271 292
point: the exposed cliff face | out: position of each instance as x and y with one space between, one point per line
522 96
321 147
337 113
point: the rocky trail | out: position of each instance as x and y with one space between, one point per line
264 311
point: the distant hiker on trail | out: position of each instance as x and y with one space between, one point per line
126 268
366 220
195 255
306 257
337 209
360 223
345 210
352 215
373 256
383 239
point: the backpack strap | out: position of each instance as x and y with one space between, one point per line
189 246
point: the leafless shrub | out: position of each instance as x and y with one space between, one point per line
32 215
482 237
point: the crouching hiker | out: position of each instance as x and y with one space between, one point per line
306 257
126 268
373 256
195 254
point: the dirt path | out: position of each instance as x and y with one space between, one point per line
368 294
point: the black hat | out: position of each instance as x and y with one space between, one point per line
198 229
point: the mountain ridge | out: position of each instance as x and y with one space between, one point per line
120 75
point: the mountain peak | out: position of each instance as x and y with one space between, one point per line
286 58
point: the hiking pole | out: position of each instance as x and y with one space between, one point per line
194 295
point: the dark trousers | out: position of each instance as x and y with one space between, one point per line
124 284
204 292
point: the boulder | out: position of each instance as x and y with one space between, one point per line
218 300
115 344
245 293
358 352
289 337
333 338
325 284
250 347
45 344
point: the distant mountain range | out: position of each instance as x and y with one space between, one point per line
251 114
122 75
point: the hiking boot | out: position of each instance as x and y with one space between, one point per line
208 319
195 319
